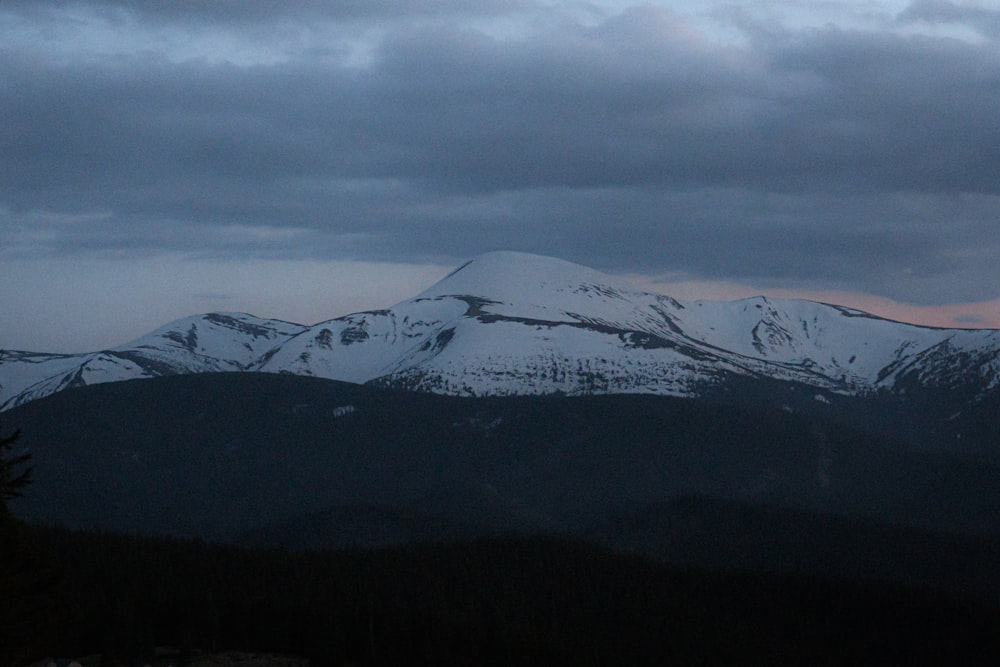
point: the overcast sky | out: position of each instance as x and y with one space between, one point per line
304 159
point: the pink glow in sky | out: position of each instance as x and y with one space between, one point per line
977 315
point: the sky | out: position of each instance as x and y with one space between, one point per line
306 159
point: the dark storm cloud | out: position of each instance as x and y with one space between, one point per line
241 12
829 157
981 19
626 104
633 102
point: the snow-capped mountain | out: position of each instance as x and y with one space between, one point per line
201 344
512 323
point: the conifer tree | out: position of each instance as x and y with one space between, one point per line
28 609
14 473
12 480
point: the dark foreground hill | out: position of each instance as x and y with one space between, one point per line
218 455
290 461
508 601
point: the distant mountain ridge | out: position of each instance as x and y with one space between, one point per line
510 323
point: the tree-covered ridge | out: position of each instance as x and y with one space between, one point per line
745 493
226 455
545 601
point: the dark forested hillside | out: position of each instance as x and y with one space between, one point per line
232 456
401 528
492 602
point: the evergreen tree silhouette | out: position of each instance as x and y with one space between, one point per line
12 479
29 611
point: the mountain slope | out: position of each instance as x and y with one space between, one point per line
509 323
285 460
216 452
215 342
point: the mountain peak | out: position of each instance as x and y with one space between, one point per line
507 276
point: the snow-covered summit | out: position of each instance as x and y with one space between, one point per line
516 276
521 285
515 323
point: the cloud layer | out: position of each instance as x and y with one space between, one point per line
711 145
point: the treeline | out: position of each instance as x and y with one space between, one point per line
544 601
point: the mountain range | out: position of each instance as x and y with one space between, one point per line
524 394
509 323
